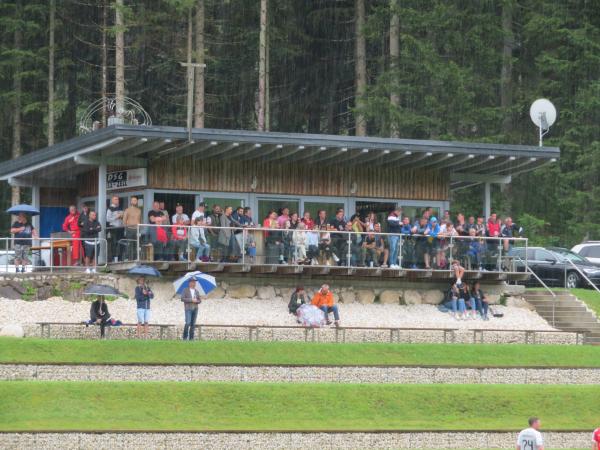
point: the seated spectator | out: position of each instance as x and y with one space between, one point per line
143 295
312 241
381 246
480 300
300 241
370 221
99 314
354 254
198 240
287 236
273 239
338 223
456 301
458 270
299 297
475 250
470 303
323 300
179 239
369 244
325 248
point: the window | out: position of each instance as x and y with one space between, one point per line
267 204
381 210
223 202
314 207
543 255
171 201
593 251
415 212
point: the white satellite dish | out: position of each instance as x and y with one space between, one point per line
543 115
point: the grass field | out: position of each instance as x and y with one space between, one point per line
237 406
295 353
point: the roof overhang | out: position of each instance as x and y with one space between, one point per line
137 146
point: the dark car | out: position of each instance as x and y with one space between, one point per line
552 266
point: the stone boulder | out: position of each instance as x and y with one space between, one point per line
347 296
44 292
412 297
241 291
9 293
432 297
286 293
365 296
217 293
266 293
389 297
17 286
12 330
519 302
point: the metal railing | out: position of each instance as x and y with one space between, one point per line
528 269
40 253
254 245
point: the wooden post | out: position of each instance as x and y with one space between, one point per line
360 67
119 58
394 60
199 87
262 66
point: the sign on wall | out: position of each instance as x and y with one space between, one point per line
125 179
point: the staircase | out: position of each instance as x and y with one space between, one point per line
567 313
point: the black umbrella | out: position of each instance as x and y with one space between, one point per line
102 289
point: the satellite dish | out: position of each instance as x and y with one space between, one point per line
543 115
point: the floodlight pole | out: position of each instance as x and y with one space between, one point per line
543 126
191 72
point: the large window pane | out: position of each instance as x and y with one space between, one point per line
381 210
222 202
314 207
267 204
415 212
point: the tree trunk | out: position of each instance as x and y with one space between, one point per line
507 65
119 58
394 61
17 91
262 66
51 25
199 84
360 67
104 86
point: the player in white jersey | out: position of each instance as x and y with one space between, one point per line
530 438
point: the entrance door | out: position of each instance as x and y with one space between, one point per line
171 201
381 210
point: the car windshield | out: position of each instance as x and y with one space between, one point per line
568 255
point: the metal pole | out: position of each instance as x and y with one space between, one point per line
101 208
191 71
487 201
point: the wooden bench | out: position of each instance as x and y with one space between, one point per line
530 335
45 327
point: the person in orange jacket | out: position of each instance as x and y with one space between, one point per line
323 300
71 226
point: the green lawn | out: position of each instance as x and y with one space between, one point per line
247 406
294 353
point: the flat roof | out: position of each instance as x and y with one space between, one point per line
137 144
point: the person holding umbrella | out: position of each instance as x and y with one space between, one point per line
99 314
191 299
23 232
143 295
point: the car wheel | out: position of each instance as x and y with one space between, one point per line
573 280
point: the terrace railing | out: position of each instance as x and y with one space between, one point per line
49 254
295 247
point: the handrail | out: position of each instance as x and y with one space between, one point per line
537 278
583 275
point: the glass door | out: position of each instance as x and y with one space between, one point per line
381 209
277 204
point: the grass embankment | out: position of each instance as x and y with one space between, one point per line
295 353
238 406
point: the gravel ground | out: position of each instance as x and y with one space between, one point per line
265 312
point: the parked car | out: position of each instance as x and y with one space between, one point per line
589 250
552 266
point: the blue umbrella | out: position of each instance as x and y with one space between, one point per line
204 283
27 209
145 271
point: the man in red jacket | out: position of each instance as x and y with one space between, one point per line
71 226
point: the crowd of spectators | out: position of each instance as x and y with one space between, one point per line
226 234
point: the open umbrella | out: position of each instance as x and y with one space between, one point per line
144 271
204 283
102 289
27 209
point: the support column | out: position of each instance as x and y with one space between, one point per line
35 202
101 210
487 201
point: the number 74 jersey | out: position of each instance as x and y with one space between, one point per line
530 439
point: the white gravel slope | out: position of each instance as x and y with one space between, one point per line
264 312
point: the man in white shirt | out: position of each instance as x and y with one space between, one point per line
180 216
200 212
530 438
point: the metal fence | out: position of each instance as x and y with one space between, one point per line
252 246
49 254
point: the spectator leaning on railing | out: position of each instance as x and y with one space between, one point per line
23 233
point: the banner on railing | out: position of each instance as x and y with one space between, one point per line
126 178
